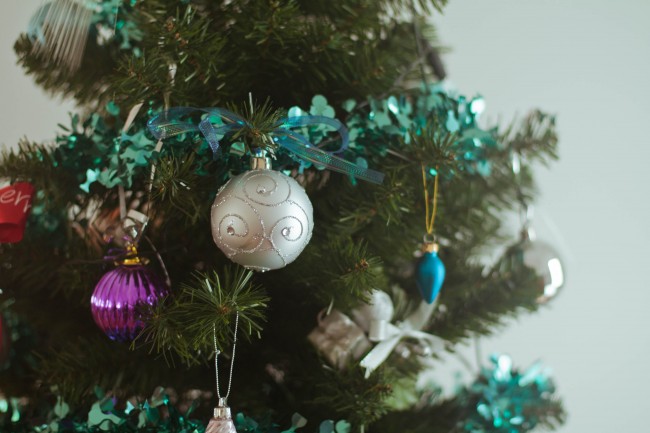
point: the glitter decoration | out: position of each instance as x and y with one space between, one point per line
158 414
154 414
297 421
119 296
379 124
262 219
505 400
115 24
329 426
96 150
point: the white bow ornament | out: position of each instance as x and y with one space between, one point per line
389 335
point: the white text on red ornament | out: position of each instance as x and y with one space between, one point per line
10 195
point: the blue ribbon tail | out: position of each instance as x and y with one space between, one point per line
168 124
302 148
210 134
320 120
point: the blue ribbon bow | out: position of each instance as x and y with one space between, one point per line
169 123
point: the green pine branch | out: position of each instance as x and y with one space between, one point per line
178 191
355 398
83 363
187 324
349 269
87 85
36 164
477 305
186 47
534 137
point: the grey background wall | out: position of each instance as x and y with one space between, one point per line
26 110
588 61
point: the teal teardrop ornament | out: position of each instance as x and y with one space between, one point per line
430 272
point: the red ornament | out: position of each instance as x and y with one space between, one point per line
15 204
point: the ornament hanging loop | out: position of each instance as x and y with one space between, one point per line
526 215
430 271
526 210
217 352
429 243
430 210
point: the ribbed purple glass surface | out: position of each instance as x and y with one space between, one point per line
118 297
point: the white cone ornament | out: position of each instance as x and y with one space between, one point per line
262 219
221 422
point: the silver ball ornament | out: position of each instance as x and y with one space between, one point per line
262 219
545 261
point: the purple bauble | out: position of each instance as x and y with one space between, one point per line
118 297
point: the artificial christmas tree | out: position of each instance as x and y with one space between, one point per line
327 135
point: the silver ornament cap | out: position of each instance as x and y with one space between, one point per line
221 422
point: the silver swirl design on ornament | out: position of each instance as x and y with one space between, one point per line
286 229
224 240
286 236
264 194
230 229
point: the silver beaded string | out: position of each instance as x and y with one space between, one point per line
232 359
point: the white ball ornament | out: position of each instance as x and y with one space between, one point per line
262 219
